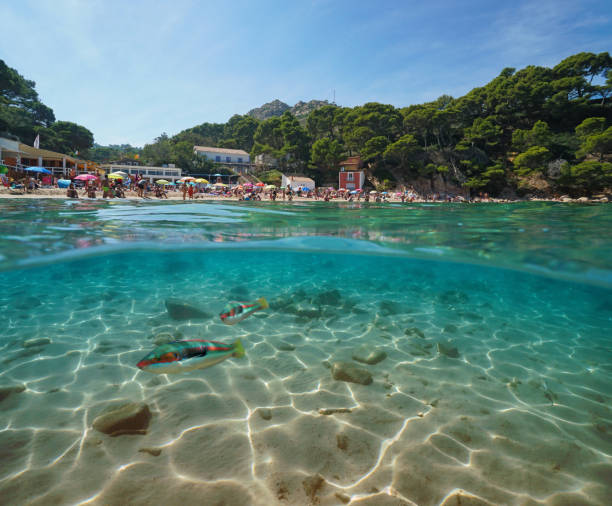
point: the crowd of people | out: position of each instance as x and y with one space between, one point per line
109 188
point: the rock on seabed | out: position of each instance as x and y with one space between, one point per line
37 341
130 418
344 371
180 310
367 355
448 350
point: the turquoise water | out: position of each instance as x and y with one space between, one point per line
495 321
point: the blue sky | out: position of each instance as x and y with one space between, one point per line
130 70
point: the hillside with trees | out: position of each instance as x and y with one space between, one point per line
23 116
533 131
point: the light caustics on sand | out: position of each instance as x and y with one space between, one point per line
495 385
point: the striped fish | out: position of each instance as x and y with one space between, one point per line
183 356
235 312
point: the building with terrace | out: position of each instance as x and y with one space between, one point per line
168 172
18 155
237 160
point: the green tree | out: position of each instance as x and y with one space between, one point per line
295 149
240 130
268 137
539 135
590 126
374 149
21 111
598 144
403 152
327 153
532 160
68 137
483 133
371 120
324 122
158 153
356 138
589 177
181 154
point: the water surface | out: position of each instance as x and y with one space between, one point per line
495 320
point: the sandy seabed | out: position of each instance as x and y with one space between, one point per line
456 413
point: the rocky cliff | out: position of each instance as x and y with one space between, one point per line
276 108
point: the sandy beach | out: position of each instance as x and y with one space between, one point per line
56 193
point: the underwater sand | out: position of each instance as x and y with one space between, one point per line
496 387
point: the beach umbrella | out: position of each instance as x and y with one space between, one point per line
373 192
161 181
270 187
40 170
248 184
384 193
354 191
201 180
86 177
260 184
116 175
305 189
186 178
119 173
221 184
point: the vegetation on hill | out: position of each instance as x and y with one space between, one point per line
535 131
112 152
23 116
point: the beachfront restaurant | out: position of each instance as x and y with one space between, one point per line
168 172
16 155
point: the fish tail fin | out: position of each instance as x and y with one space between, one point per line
238 349
263 303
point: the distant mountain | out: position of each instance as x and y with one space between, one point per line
276 108
303 109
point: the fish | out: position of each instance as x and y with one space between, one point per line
182 356
235 312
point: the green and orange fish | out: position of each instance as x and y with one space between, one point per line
235 312
183 356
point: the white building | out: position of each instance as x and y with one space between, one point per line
170 173
236 159
295 182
